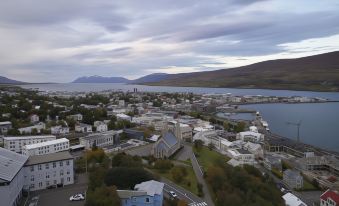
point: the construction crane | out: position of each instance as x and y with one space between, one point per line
298 124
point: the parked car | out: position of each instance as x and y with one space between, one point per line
77 197
173 194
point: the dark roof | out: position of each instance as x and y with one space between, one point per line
10 164
39 159
170 139
242 151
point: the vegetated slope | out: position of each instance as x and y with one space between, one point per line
155 77
318 73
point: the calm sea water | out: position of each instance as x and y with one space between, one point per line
320 122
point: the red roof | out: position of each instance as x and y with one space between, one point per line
334 195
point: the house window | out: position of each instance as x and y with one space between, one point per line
61 164
68 179
54 165
32 168
134 199
67 162
47 166
147 199
32 178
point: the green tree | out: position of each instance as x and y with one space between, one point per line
198 144
103 196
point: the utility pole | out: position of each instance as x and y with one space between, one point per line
298 124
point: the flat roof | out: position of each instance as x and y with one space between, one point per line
5 123
47 143
39 159
10 164
29 137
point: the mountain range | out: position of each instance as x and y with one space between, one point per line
5 80
317 73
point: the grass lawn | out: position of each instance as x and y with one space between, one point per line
189 182
207 158
308 185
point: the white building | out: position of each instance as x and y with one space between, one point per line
76 117
15 144
5 126
255 149
34 118
48 147
54 169
59 130
100 139
11 177
83 128
292 200
209 136
240 157
250 136
100 126
185 130
28 130
124 117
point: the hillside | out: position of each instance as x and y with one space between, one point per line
155 77
5 80
317 73
100 79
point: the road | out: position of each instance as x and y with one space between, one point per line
187 153
182 193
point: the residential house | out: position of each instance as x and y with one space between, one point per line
329 198
293 179
5 126
100 126
11 177
34 118
76 117
28 130
83 128
59 130
124 117
148 193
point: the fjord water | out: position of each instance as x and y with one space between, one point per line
320 121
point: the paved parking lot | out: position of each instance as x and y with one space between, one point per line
60 196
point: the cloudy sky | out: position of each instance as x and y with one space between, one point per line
58 41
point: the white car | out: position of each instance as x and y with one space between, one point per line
77 197
173 194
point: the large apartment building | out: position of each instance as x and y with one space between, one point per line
47 147
43 171
15 144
